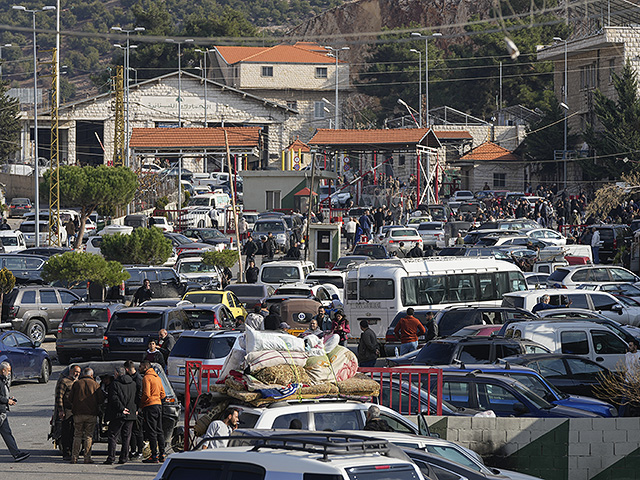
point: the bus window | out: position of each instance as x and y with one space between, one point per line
376 289
423 290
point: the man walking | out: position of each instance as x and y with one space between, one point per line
143 293
137 440
408 329
6 401
368 349
63 411
251 273
222 428
151 404
350 230
166 343
121 413
595 245
86 397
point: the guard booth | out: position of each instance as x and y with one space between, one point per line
324 244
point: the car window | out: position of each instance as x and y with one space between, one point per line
136 276
167 275
475 353
396 424
207 298
283 421
496 398
574 342
606 343
10 341
48 296
620 275
150 275
176 318
67 297
584 370
332 421
602 302
599 275
33 263
29 297
22 340
580 275
529 348
454 454
503 351
456 393
230 299
578 300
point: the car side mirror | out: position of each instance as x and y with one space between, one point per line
520 409
37 344
617 308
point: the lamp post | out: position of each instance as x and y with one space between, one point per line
204 52
171 40
6 45
419 81
565 108
334 53
126 49
35 114
426 68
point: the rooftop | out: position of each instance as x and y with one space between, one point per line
301 52
490 151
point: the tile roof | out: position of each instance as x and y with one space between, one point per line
298 53
149 138
299 145
490 151
453 135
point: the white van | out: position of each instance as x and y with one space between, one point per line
12 240
284 271
211 200
94 241
588 339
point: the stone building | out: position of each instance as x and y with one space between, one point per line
492 165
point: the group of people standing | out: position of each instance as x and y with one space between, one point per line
132 401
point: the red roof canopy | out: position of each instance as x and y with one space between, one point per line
490 151
149 138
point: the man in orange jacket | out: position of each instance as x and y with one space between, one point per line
408 329
151 404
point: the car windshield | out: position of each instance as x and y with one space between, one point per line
195 267
200 201
204 297
203 347
136 322
431 226
558 275
247 290
279 274
211 234
269 227
180 239
536 385
337 281
435 354
86 315
293 291
375 251
9 241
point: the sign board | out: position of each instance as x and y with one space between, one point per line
296 166
296 159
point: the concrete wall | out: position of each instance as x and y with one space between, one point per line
550 448
18 186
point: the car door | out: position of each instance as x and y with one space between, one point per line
459 393
499 399
170 283
234 305
30 359
608 349
610 307
50 306
555 371
14 354
584 376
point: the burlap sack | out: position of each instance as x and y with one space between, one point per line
282 375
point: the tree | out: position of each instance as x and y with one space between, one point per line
619 137
224 258
7 282
610 196
144 246
91 188
75 268
10 125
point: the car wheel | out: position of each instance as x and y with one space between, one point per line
36 331
177 439
45 372
64 359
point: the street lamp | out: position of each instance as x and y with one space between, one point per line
204 52
334 53
565 107
126 49
426 67
419 81
171 40
35 114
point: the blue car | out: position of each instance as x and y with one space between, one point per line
541 386
27 359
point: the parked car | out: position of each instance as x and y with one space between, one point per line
613 237
571 374
210 347
26 268
25 356
18 206
45 251
409 237
12 241
211 236
284 271
130 330
250 293
28 229
432 234
165 283
214 297
36 310
573 276
81 330
278 227
181 243
161 223
548 236
626 289
192 269
505 396
371 250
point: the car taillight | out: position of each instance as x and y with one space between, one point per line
13 311
122 289
390 337
62 322
216 323
108 315
615 243
105 342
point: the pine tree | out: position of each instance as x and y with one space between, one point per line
9 124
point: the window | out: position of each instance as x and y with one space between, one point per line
574 343
67 297
293 104
499 180
318 110
321 72
396 424
602 302
48 296
551 368
29 297
607 343
588 77
10 341
456 393
584 370
621 275
377 289
283 421
23 341
476 353
273 199
332 421
267 71
496 398
402 160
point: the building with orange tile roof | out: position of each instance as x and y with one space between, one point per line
492 165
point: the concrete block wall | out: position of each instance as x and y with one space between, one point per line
551 448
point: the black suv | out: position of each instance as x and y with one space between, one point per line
613 237
130 330
81 330
165 283
36 310
446 351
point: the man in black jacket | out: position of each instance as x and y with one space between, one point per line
137 440
368 350
252 272
121 413
6 401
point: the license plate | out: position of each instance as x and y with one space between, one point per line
83 330
181 371
133 340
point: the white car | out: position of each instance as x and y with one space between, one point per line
322 292
432 233
408 236
626 289
548 236
192 268
198 217
12 241
150 168
573 276
161 223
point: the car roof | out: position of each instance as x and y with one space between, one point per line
210 333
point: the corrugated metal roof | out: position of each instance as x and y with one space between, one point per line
194 137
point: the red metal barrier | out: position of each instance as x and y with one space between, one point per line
417 380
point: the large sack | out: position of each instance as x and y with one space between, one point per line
256 361
359 385
344 363
257 340
318 369
233 361
282 375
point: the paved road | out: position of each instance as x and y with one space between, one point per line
29 420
